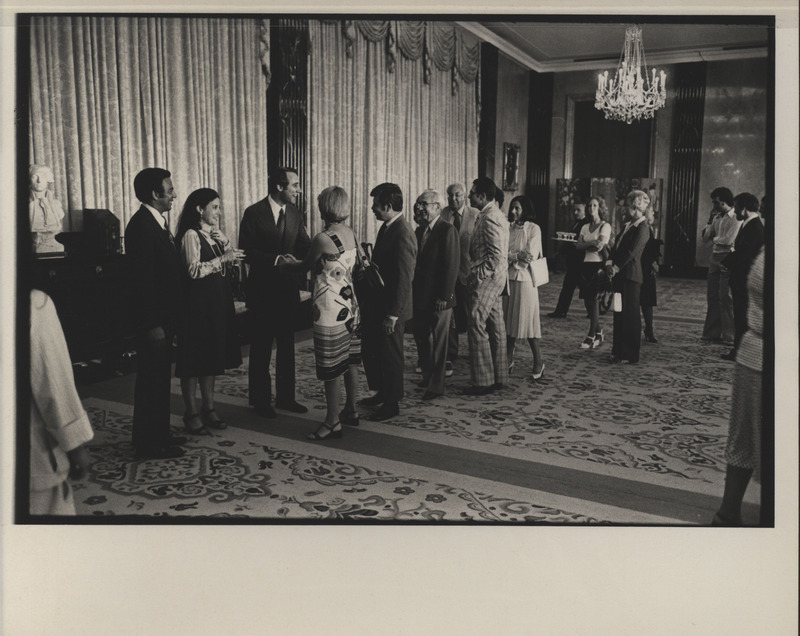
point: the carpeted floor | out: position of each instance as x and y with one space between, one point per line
590 443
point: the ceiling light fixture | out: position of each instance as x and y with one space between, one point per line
631 94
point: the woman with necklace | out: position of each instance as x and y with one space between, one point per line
521 306
207 339
336 316
593 240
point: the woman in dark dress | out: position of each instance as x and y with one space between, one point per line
650 258
207 343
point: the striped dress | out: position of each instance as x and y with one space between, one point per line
336 318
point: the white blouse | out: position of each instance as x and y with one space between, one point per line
603 232
190 253
528 238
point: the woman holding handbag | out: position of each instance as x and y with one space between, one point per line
593 240
522 303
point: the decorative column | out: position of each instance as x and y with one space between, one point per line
680 234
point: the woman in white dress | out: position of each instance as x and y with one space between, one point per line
594 238
336 317
522 303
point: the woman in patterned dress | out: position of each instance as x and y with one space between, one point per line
336 318
207 340
521 306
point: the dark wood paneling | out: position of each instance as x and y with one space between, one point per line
539 132
487 131
684 168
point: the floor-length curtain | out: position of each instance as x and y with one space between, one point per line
369 125
110 96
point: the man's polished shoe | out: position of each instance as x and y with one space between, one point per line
293 406
162 452
265 410
387 410
731 355
448 369
556 314
479 390
422 383
430 395
374 400
175 440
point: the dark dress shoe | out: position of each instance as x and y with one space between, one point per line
374 400
265 410
431 396
556 314
351 419
650 338
422 383
162 452
293 406
731 355
387 410
479 390
175 440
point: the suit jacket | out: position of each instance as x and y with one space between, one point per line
267 287
156 270
469 216
627 252
437 267
395 255
745 249
488 249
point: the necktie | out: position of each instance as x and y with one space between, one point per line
169 234
425 235
457 221
281 223
381 232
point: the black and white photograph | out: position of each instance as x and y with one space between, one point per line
334 279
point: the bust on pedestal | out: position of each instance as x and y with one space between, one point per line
46 213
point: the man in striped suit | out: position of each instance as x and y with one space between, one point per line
486 282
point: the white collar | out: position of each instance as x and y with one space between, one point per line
392 220
162 221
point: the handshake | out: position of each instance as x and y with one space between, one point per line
285 259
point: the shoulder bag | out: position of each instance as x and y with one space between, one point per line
367 279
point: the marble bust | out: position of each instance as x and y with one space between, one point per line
46 213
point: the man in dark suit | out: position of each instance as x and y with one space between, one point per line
272 233
745 249
434 291
384 317
573 260
626 267
155 270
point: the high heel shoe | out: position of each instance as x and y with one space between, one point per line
587 343
538 376
333 432
598 339
510 368
351 418
213 423
194 430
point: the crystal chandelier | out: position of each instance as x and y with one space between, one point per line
631 94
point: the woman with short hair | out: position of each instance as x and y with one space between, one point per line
336 316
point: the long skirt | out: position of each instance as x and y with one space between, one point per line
744 427
521 308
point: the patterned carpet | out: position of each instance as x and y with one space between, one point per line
590 443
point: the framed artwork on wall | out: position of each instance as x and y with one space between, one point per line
510 166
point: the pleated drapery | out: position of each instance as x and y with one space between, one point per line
110 96
376 115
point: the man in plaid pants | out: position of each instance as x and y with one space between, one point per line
488 278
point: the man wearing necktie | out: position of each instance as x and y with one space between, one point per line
384 318
462 216
273 233
434 292
155 270
626 268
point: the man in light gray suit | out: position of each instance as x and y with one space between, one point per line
462 216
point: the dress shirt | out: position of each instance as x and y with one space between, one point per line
722 232
276 209
162 221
